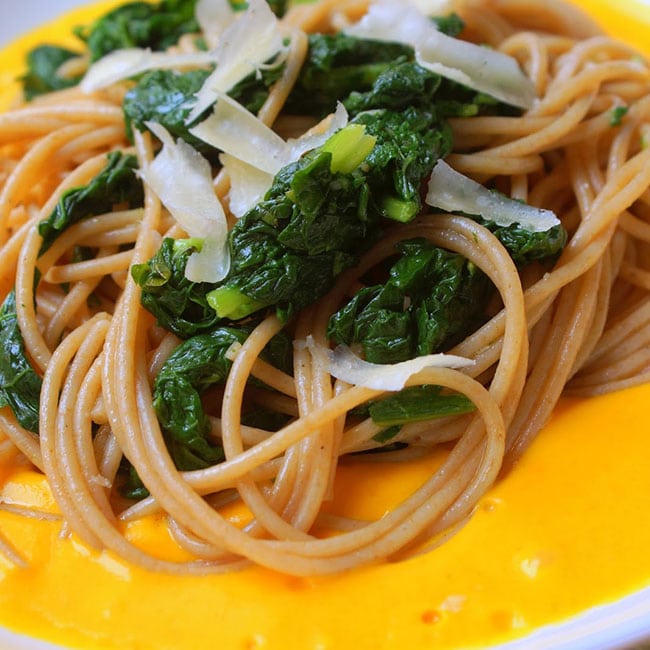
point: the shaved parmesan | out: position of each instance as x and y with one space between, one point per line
243 47
182 179
252 161
248 185
213 17
452 191
308 141
234 130
433 7
474 66
122 64
347 366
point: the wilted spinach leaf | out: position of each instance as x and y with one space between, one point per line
140 24
193 367
43 63
179 305
417 404
167 97
20 385
431 298
115 184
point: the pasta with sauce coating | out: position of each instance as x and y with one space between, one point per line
550 328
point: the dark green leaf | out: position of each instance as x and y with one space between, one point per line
417 404
167 97
337 65
179 305
20 385
115 184
193 367
43 63
526 246
432 297
140 24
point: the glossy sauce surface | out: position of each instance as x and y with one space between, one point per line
565 531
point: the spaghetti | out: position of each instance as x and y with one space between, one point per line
580 328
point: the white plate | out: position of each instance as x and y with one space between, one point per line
621 625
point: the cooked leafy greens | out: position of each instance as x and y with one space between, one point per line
43 63
164 96
431 298
20 385
362 74
139 24
180 306
316 219
116 184
526 246
413 404
337 65
148 25
193 367
167 96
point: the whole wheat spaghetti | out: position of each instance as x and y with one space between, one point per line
578 326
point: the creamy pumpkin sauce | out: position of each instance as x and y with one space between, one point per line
565 531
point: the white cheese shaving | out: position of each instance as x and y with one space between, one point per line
474 66
452 191
253 160
213 17
248 185
308 141
129 62
182 179
243 47
347 366
236 131
433 7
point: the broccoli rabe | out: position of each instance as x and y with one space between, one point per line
432 297
411 404
337 65
167 97
194 366
409 143
149 25
288 249
526 246
164 96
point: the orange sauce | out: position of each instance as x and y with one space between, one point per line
566 530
